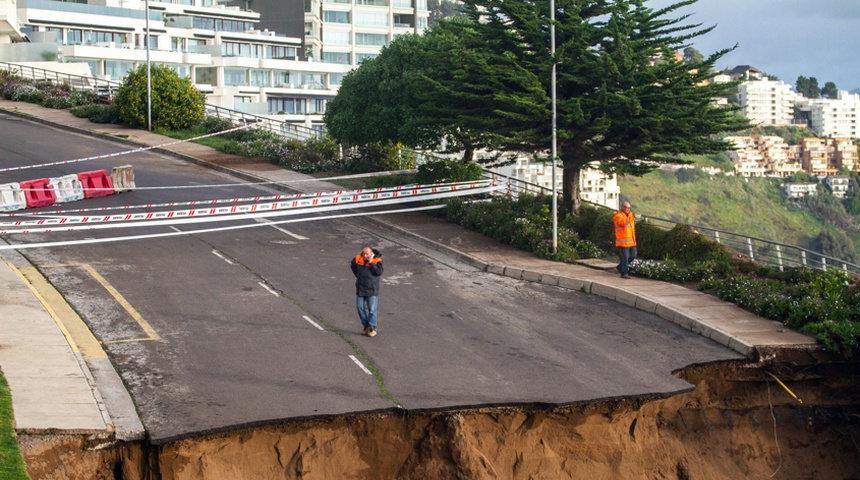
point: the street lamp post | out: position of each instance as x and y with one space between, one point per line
554 130
148 74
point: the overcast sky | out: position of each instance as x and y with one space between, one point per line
785 38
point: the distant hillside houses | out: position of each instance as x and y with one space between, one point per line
771 156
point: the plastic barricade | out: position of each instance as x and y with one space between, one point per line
38 193
11 197
67 188
96 183
123 178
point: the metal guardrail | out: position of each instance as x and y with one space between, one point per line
104 88
763 251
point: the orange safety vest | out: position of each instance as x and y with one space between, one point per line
625 231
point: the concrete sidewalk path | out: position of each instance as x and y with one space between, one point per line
53 388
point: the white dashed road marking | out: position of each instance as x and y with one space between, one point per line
360 365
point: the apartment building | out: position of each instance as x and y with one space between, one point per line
594 185
796 190
839 185
762 155
346 32
767 102
833 117
814 157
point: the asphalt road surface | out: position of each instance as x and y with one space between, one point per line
215 330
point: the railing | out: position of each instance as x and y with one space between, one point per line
763 251
105 88
285 129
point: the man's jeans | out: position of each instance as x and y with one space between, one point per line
367 310
627 255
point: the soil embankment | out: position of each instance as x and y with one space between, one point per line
737 422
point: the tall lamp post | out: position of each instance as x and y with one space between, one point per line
148 75
554 130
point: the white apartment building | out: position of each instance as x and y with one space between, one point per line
839 185
833 117
795 190
767 102
221 48
594 185
346 32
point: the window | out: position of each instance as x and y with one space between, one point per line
177 44
371 19
334 37
181 70
281 78
313 80
341 58
118 70
196 46
316 106
99 37
206 75
235 77
74 37
260 78
277 51
402 3
373 39
286 105
335 78
331 16
238 101
377 3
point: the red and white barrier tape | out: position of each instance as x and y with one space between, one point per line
237 213
208 230
220 201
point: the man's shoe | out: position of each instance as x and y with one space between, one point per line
371 332
624 275
366 329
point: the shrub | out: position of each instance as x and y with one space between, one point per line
176 104
525 223
390 181
437 171
97 113
376 157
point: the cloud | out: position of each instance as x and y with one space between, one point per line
785 38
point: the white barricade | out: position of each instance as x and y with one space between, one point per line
67 188
122 178
11 197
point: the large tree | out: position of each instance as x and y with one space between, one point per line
808 87
623 102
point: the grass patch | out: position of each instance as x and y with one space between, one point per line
749 207
11 463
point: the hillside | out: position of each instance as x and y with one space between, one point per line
752 206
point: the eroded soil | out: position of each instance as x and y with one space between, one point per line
737 423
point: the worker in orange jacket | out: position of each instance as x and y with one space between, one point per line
625 237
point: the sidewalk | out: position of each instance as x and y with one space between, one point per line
53 385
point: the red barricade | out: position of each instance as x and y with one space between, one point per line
38 193
96 183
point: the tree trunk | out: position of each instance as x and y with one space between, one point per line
570 192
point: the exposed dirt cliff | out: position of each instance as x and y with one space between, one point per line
738 422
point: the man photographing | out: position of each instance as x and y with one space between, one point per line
625 237
367 268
